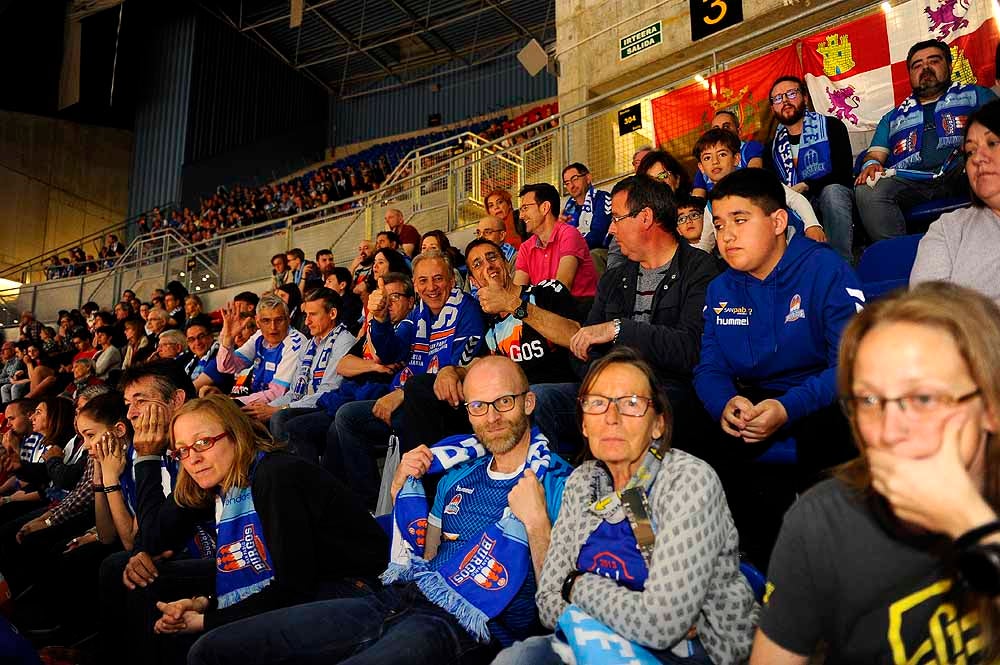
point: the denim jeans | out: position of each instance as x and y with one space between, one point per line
394 625
539 650
278 424
881 206
834 205
555 415
352 442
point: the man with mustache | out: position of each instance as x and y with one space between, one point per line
811 153
919 139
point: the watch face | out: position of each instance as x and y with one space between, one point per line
521 311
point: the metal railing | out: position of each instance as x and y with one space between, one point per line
35 269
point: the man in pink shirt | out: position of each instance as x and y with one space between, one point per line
555 250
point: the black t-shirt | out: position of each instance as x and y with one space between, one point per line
839 576
541 360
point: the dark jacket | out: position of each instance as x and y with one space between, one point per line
671 342
316 530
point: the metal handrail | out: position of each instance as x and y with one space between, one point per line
39 260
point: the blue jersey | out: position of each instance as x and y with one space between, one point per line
469 499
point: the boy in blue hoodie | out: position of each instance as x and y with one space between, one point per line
768 363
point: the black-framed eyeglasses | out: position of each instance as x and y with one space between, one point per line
634 406
573 178
502 404
199 446
195 338
690 217
917 404
791 96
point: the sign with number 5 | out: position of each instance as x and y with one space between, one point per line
710 16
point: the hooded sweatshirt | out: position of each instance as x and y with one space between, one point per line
780 333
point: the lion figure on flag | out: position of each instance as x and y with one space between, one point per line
843 102
946 19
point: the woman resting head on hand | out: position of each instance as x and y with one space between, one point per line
881 547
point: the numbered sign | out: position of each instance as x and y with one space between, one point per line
710 16
629 119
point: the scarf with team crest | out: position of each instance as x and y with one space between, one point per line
906 124
477 584
814 151
243 563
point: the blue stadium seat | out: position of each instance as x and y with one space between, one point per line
886 265
920 216
756 580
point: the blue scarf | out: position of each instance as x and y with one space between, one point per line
814 151
476 585
593 643
906 124
315 368
431 348
243 564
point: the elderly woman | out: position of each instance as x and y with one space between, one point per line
83 375
644 543
961 246
897 559
312 538
137 345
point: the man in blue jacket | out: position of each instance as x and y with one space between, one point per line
767 372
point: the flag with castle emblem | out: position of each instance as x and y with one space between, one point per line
681 116
855 71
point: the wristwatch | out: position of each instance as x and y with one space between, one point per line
522 310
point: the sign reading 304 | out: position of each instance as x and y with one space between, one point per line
710 16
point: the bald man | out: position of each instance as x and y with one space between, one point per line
409 237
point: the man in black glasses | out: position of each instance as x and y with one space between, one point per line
811 153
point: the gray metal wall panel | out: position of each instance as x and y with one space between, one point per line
494 86
161 114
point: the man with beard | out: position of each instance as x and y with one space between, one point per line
921 140
361 266
811 153
399 623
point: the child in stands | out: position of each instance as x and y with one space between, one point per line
718 155
768 369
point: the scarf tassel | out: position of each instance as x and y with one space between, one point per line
434 587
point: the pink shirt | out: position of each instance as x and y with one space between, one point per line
542 262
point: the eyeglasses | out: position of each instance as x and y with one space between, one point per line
621 218
574 178
791 96
917 405
195 338
662 175
634 406
502 404
490 257
524 207
199 446
485 232
690 217
396 297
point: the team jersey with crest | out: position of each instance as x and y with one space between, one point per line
469 499
541 360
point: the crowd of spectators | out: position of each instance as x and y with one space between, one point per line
563 432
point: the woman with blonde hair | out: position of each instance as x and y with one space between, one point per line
897 558
288 532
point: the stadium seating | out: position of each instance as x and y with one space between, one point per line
886 264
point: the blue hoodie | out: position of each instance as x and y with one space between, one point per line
780 333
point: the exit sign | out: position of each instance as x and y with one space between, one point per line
640 40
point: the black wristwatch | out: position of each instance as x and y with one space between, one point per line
522 310
979 567
567 585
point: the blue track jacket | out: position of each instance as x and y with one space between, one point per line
781 333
